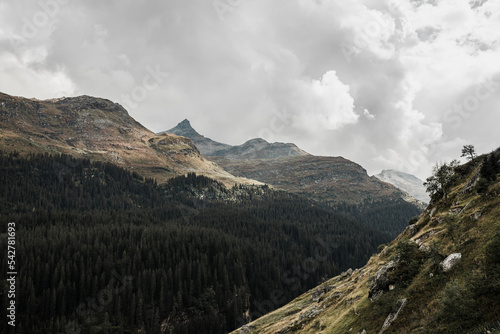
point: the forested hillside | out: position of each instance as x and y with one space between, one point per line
103 250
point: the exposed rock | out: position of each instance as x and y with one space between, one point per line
247 329
320 291
424 248
313 312
380 281
450 261
433 211
472 183
427 235
346 273
476 215
393 316
411 230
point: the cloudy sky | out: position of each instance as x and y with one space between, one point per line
385 83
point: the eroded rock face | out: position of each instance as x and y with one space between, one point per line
393 316
380 281
450 261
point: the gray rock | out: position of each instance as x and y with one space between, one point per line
247 329
380 281
424 248
313 312
393 316
450 261
320 291
476 215
433 211
472 183
411 230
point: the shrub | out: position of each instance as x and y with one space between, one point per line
413 220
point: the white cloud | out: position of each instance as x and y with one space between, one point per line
384 106
322 104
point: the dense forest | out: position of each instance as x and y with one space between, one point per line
102 250
390 217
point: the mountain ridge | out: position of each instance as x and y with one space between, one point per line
256 148
101 130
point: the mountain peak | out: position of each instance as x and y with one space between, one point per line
185 124
204 144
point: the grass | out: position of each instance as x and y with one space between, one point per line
429 291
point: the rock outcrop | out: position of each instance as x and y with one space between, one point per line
380 281
393 316
450 261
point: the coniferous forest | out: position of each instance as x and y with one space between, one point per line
102 250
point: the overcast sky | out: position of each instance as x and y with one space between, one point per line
385 83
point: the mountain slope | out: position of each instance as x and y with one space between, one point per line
329 179
406 182
100 130
442 275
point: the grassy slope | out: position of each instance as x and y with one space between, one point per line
346 308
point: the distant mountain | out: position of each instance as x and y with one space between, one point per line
253 149
332 181
406 182
260 149
100 130
206 145
328 179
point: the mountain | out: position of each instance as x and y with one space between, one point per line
205 145
258 148
287 167
328 179
106 251
253 149
101 130
332 181
406 182
441 275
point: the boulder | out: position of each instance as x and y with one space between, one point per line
450 261
424 248
411 230
380 281
346 273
